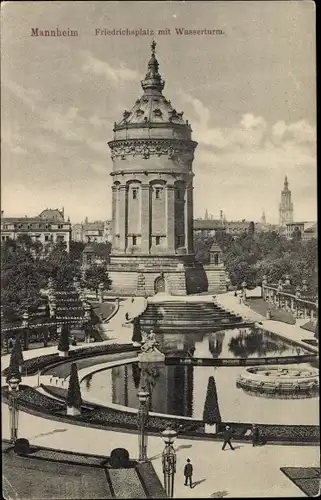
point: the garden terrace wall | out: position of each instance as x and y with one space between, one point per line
98 416
31 366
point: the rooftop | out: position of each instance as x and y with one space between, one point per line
56 474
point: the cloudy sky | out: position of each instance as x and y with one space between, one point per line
249 95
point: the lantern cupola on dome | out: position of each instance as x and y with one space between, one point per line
153 107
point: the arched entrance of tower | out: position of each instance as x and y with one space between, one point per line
159 284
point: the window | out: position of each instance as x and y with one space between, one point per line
60 226
157 240
178 194
158 193
180 240
46 237
134 240
3 238
60 239
134 194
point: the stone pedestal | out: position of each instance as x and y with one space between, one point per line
63 354
72 411
151 357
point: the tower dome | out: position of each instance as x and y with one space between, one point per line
152 113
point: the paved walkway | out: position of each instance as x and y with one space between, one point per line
245 472
119 327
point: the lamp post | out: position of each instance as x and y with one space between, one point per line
142 420
169 461
25 326
13 382
101 287
87 310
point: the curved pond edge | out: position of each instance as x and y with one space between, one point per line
292 435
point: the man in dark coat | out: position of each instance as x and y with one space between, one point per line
188 472
227 436
255 435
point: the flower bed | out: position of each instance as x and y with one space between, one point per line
29 397
31 366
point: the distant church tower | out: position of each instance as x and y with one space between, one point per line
152 197
286 205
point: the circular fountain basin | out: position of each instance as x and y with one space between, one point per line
279 382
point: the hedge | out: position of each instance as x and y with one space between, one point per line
31 366
110 417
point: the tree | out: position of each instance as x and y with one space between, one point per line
74 395
21 281
61 267
102 250
251 228
211 413
296 235
75 250
63 345
96 274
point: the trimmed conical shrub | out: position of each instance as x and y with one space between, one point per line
63 345
15 362
211 413
74 400
16 352
137 334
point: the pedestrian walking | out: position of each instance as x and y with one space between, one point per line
227 436
255 435
188 473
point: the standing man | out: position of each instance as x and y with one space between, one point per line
188 472
255 435
227 436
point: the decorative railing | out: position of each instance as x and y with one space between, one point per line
300 304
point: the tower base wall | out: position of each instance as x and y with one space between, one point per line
174 275
216 278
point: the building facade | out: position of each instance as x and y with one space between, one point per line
95 232
152 197
304 230
49 227
286 205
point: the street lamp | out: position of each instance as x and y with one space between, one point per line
142 420
13 382
169 461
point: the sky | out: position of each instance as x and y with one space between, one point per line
248 93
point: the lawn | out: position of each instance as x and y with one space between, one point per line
105 309
261 307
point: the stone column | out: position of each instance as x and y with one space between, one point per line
114 214
170 218
292 304
145 218
189 218
122 215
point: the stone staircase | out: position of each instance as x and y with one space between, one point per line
187 316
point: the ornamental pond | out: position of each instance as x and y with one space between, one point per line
181 390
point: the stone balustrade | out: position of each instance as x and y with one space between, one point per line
295 301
